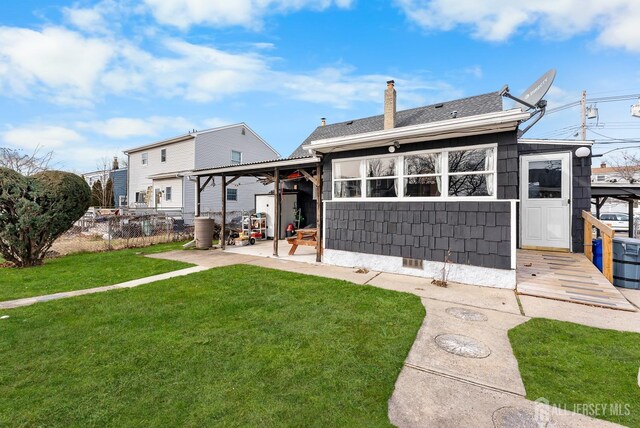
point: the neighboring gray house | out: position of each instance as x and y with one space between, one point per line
159 172
118 177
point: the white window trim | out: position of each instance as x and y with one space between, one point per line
144 160
444 159
234 162
168 193
165 155
227 194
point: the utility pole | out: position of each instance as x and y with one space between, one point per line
583 116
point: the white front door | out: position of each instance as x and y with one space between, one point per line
546 201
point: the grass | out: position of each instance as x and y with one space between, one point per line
233 346
572 365
85 270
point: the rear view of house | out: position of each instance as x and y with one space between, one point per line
159 172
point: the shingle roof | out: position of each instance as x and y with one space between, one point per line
471 106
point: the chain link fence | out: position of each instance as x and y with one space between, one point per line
114 232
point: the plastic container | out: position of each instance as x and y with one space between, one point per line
597 253
204 232
626 263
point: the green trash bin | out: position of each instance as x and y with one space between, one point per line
147 228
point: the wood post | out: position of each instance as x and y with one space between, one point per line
276 214
319 219
632 230
223 225
198 196
607 243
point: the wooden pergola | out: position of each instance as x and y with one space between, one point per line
629 193
274 171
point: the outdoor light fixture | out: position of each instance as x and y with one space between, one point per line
394 146
583 152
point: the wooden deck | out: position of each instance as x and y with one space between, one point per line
568 277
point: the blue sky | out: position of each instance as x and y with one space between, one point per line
88 79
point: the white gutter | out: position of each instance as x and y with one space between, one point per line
258 165
472 125
556 141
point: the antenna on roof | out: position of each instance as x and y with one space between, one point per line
531 99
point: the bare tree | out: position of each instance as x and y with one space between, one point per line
627 166
25 163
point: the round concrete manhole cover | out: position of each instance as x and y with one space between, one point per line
466 314
463 346
515 417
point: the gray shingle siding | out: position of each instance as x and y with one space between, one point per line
470 233
581 187
119 179
476 233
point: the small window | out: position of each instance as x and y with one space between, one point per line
545 179
471 172
140 197
423 175
145 158
232 194
348 179
382 178
163 155
236 157
167 194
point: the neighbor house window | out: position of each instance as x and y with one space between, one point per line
232 194
163 155
423 174
145 158
236 157
167 194
438 173
382 177
140 197
471 172
347 181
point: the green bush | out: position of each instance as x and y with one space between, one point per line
36 210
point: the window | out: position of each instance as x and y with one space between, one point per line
163 155
423 174
347 179
140 197
601 178
232 194
236 157
145 158
167 194
382 177
469 172
545 179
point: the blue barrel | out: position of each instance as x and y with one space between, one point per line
626 263
597 253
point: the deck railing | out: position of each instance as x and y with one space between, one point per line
607 242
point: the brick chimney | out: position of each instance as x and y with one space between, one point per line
115 163
323 121
603 165
390 106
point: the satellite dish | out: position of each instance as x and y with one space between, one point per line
535 92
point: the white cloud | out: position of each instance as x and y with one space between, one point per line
59 62
615 21
225 13
86 19
127 127
45 136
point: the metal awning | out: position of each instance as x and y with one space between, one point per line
254 168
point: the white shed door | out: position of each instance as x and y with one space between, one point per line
546 201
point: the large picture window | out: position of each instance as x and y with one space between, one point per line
468 172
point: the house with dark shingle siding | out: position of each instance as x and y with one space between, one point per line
446 184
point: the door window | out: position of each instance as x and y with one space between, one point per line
545 179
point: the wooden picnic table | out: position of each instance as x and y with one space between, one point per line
303 237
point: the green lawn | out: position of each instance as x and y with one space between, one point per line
233 346
574 365
85 270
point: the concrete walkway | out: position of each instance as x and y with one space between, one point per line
10 304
